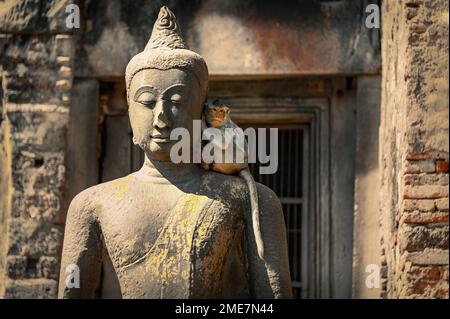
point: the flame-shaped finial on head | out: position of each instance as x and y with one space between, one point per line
166 50
166 32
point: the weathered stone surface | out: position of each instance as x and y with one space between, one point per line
5 188
31 288
16 267
30 267
36 141
32 68
48 267
31 239
317 37
34 16
366 248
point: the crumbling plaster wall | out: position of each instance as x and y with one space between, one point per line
244 38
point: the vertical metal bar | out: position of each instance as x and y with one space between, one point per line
305 211
293 143
290 163
282 160
291 134
273 177
295 245
297 141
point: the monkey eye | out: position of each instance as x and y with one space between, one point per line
146 98
176 98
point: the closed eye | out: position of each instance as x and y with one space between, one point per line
147 98
149 103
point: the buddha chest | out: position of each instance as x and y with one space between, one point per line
178 248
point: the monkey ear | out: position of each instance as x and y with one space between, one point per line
205 108
227 110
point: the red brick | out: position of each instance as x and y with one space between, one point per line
441 204
424 218
428 281
419 29
436 155
441 167
422 205
440 293
421 166
433 273
427 257
425 192
413 238
425 179
414 3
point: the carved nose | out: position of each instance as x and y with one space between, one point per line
161 120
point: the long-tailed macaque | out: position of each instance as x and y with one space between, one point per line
218 116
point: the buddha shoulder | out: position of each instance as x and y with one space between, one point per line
233 190
224 185
94 196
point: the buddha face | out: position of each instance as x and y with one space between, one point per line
159 101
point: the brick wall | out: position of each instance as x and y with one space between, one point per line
36 76
414 149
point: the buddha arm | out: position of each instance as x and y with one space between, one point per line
83 247
269 278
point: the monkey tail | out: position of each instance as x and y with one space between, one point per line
247 176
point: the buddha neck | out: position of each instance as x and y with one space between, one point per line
166 172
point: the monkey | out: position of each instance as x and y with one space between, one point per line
218 116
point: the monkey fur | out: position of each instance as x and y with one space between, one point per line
218 116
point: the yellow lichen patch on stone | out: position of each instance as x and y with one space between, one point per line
169 260
121 185
202 231
192 202
170 269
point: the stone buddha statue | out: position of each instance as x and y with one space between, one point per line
172 230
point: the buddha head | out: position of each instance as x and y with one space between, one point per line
166 88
